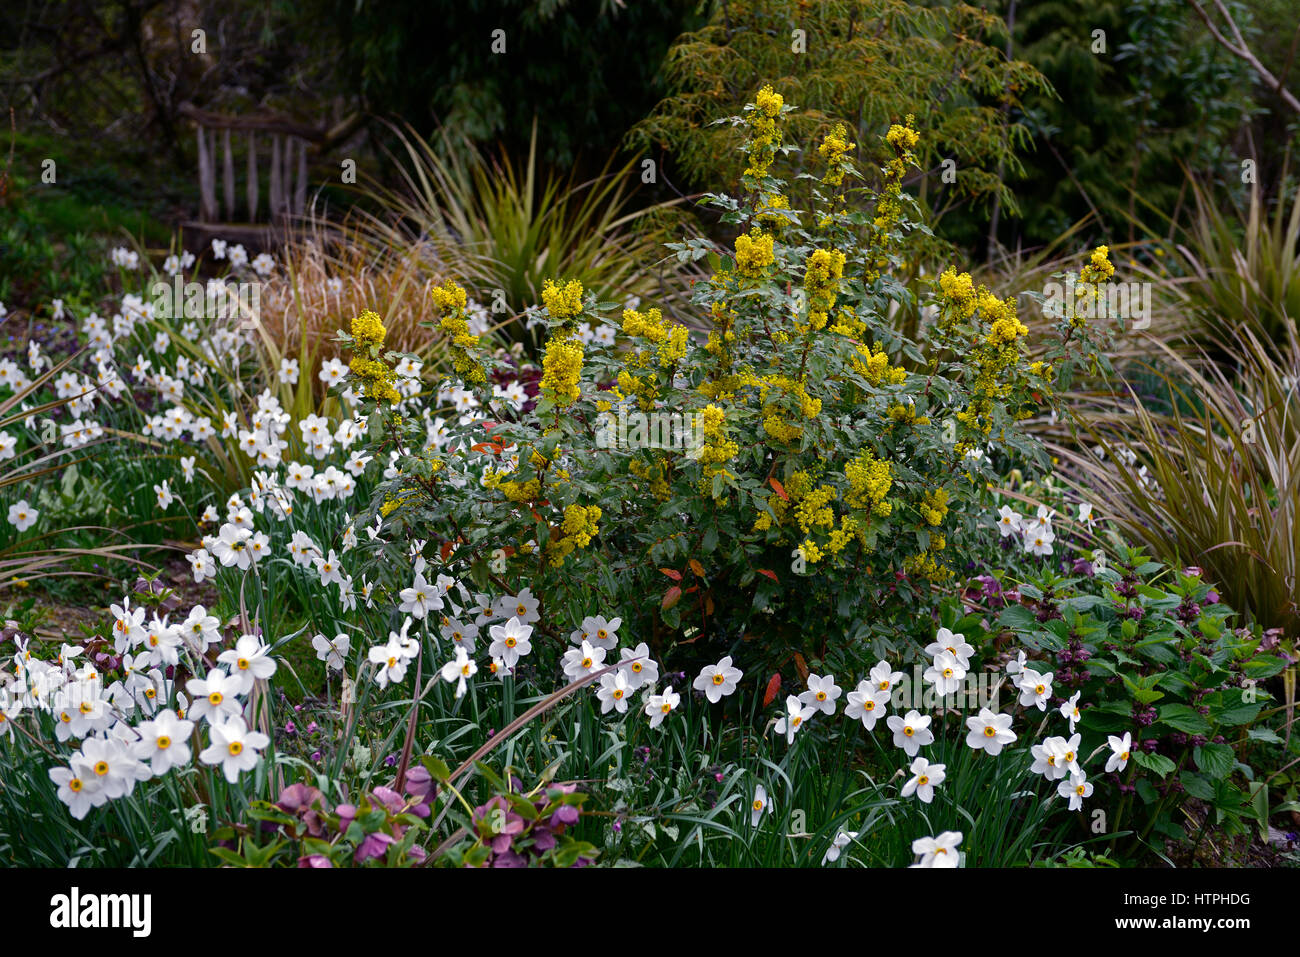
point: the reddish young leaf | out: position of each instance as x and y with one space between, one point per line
671 597
773 689
769 573
672 573
779 489
697 568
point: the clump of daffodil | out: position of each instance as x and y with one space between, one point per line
451 299
368 334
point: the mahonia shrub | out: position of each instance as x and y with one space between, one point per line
794 473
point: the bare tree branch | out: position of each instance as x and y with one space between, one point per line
1241 50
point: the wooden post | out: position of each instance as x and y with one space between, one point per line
300 191
228 176
276 163
207 183
251 185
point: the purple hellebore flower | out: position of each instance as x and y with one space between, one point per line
419 782
346 813
314 860
495 820
302 800
298 796
373 846
564 814
390 799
